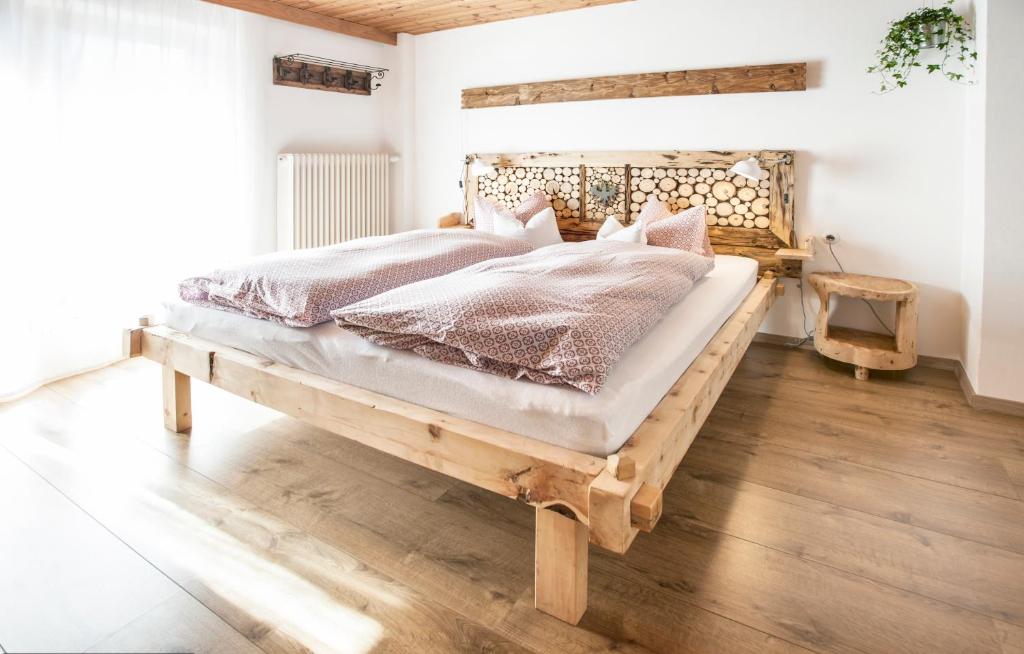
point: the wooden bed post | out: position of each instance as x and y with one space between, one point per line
560 567
177 400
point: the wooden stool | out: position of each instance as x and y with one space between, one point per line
867 350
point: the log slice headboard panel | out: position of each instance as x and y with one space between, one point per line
745 217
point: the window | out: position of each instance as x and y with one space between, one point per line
131 155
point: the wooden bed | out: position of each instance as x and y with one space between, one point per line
579 498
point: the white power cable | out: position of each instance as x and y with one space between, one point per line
870 306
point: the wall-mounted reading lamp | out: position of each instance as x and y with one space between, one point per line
479 168
748 168
751 168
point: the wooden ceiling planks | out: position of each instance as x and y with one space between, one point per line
423 16
302 16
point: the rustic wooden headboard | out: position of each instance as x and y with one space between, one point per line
746 218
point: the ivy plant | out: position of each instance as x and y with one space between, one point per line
928 27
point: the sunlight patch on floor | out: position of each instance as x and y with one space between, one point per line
268 581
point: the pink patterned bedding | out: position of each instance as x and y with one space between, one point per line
300 288
563 314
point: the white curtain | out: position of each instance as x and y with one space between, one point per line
130 153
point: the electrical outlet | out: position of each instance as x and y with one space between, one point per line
831 238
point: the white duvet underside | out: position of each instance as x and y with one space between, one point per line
597 424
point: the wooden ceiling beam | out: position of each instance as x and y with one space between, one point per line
312 19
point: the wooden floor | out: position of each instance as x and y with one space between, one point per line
813 513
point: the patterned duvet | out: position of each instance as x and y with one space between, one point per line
563 314
300 288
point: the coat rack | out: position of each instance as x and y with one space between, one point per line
309 72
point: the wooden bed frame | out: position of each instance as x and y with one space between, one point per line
579 498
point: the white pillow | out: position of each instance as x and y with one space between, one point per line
539 231
610 226
612 230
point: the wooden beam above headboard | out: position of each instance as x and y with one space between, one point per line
755 219
708 81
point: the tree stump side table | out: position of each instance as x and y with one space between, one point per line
867 350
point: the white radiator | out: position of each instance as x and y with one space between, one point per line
330 198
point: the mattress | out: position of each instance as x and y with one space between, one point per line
594 424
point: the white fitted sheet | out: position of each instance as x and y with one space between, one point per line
595 424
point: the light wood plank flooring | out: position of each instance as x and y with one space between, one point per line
813 513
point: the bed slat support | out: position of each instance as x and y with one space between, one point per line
645 508
560 565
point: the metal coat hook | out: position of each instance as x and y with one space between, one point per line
308 71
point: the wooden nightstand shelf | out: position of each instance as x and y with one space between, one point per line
867 350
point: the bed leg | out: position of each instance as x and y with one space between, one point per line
560 569
177 400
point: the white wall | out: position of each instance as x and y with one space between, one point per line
972 283
884 172
913 182
302 120
994 267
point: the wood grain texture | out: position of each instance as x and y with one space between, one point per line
661 441
336 79
506 463
293 14
645 507
594 490
741 79
869 536
970 515
642 158
867 350
1015 471
755 220
453 219
177 394
423 16
560 566
867 287
781 202
235 558
795 253
600 494
131 342
663 438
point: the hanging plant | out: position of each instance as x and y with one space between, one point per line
925 29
